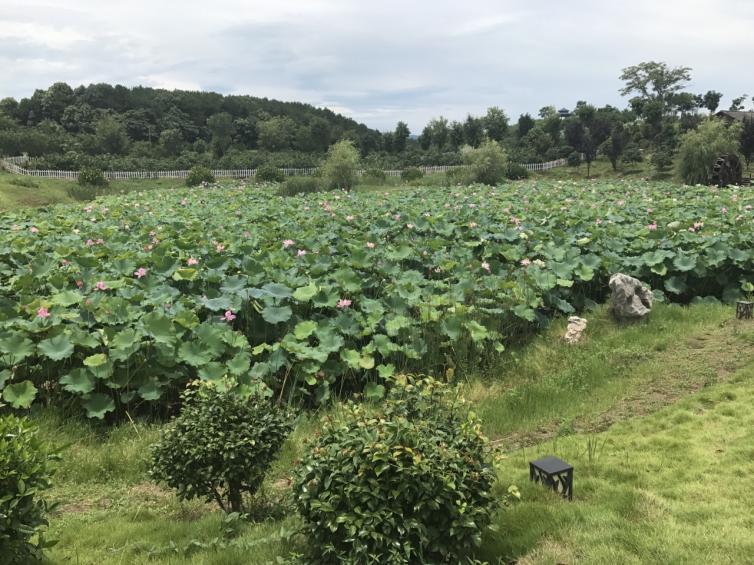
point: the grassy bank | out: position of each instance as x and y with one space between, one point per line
656 417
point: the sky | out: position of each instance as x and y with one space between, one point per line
383 61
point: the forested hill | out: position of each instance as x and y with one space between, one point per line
149 123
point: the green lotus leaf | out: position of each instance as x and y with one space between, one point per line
276 314
79 381
98 404
20 395
56 348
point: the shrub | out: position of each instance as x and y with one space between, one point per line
25 472
268 173
489 163
91 176
220 446
25 182
460 175
299 185
197 175
574 159
408 481
411 174
374 176
516 171
339 169
700 149
82 193
632 154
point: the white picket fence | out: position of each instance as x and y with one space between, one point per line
13 165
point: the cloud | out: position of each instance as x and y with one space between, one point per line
377 62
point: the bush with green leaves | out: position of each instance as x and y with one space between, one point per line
340 168
26 469
92 176
268 173
516 171
300 185
406 481
374 176
700 148
220 446
198 175
411 174
488 163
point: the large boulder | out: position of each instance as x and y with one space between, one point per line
630 299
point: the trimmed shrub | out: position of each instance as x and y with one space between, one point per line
489 162
197 175
91 176
374 176
268 173
220 446
405 481
411 174
458 176
339 169
25 472
300 185
516 171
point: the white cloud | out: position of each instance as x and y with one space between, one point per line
379 62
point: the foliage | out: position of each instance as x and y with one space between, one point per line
408 481
268 173
488 163
411 174
516 171
340 167
198 175
25 473
91 176
653 81
747 140
117 304
25 182
400 137
221 445
700 149
374 175
300 185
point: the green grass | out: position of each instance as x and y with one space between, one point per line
20 191
656 417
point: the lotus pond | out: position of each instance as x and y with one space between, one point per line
116 304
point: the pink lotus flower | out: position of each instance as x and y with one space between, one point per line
89 242
80 284
100 285
140 272
370 245
472 224
486 266
652 226
229 316
410 226
301 252
192 261
43 312
343 303
525 262
349 218
724 210
598 221
287 243
220 247
33 229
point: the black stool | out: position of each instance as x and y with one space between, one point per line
554 473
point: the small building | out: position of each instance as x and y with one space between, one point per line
564 113
735 116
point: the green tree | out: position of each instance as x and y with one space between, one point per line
496 123
711 100
55 100
400 137
221 128
699 149
654 81
747 140
456 135
111 136
342 163
78 118
277 133
473 131
488 163
525 123
614 145
440 132
171 142
737 104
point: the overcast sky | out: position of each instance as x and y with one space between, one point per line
381 61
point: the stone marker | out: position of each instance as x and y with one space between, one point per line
631 300
576 327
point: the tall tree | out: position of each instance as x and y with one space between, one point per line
220 127
654 81
400 137
711 100
525 123
440 132
496 123
747 140
456 135
737 104
473 131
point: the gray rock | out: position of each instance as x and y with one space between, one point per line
575 329
630 299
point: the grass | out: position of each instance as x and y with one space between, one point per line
656 417
21 191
